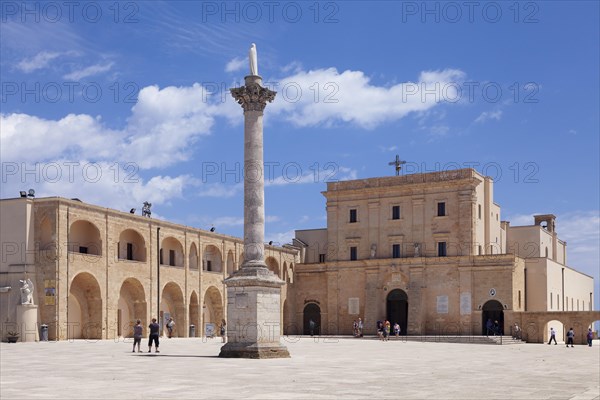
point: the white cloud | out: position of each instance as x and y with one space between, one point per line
220 190
89 71
386 149
272 218
327 97
280 238
39 61
228 221
488 115
236 64
163 126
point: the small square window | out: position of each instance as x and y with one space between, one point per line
441 209
353 215
321 258
395 212
353 253
83 249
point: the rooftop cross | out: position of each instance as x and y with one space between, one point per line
397 163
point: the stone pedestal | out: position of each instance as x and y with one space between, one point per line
27 322
253 292
253 315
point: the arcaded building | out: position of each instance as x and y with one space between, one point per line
96 270
431 252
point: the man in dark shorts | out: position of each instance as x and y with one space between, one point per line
154 328
137 335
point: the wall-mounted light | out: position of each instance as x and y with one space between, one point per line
212 229
31 193
132 211
23 193
270 243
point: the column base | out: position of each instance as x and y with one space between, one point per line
253 350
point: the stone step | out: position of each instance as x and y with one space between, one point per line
493 340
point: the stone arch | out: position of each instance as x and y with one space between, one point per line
131 306
194 309
312 311
559 328
171 306
273 265
230 262
131 246
84 308
212 259
397 309
84 237
193 258
494 311
212 309
171 252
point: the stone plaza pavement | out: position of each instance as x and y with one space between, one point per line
332 368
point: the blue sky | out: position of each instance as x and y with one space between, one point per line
118 104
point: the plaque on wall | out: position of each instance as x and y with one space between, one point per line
442 304
353 305
465 303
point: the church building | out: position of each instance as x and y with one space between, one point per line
431 252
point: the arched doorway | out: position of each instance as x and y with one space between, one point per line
312 312
84 308
195 312
492 310
132 306
212 309
171 306
397 309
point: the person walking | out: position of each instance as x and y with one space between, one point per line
137 335
360 328
386 330
354 328
570 337
153 336
552 336
396 330
311 327
489 325
590 337
222 330
170 327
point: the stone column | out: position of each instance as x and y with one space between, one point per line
253 292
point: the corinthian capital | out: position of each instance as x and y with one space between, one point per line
253 97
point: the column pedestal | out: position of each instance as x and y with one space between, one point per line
253 315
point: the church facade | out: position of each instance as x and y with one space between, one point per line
96 270
431 253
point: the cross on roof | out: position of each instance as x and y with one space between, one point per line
397 163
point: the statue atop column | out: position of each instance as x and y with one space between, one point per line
253 59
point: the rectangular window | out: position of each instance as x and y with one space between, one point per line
519 299
321 258
551 297
208 265
567 304
353 215
130 251
83 249
161 256
557 301
172 258
395 212
479 250
479 210
441 249
395 251
441 209
353 253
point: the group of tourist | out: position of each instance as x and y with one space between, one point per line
152 337
571 337
357 328
384 330
493 328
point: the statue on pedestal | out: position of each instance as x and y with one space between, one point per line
417 250
26 291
